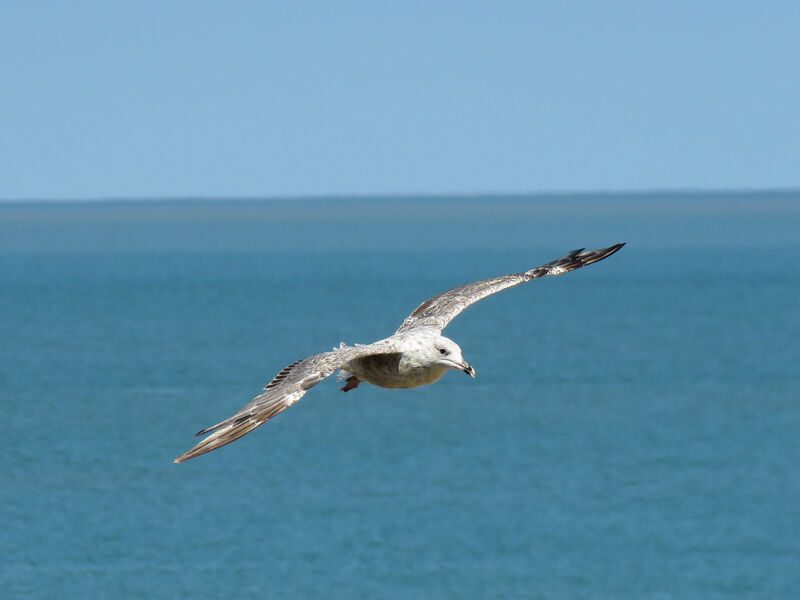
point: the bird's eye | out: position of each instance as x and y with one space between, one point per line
442 351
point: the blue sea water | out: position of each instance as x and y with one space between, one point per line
632 432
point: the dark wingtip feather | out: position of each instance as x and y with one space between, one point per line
207 430
614 248
604 253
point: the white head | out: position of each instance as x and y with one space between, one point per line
447 353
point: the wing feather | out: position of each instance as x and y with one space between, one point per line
287 387
438 311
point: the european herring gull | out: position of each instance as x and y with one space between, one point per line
416 354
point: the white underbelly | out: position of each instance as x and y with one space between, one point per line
390 371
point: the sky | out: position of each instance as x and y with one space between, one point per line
281 99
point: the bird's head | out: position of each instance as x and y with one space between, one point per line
447 354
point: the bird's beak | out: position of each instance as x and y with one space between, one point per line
468 369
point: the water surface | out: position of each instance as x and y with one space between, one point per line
632 431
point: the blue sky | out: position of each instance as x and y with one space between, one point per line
181 99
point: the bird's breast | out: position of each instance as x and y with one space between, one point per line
393 371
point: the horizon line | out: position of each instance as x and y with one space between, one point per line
385 196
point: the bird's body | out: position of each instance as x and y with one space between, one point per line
416 354
410 362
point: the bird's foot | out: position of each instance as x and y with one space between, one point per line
351 383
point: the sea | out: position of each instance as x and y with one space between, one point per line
633 431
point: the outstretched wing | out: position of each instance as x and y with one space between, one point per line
440 310
286 388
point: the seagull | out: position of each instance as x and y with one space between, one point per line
416 354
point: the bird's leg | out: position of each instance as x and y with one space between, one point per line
351 383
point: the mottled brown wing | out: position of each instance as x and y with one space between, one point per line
440 310
286 388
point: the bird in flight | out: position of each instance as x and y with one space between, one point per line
416 354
